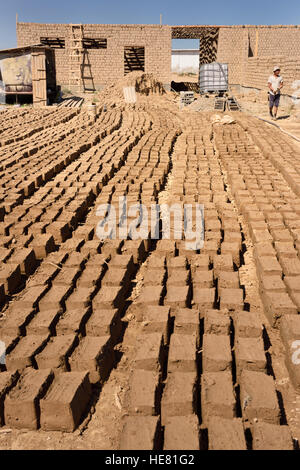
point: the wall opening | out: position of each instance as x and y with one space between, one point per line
55 43
134 59
91 43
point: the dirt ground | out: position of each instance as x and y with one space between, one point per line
145 343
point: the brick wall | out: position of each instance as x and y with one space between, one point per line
107 65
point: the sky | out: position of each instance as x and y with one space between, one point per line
175 12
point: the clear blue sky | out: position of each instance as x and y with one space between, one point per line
139 11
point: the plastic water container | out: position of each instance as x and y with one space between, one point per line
213 77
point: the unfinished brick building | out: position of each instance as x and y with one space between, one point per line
110 51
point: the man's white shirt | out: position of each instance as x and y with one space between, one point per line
275 82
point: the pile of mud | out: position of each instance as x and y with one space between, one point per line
144 84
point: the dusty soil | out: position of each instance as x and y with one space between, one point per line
116 341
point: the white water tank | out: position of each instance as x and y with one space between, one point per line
213 77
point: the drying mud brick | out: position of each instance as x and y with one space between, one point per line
150 352
23 354
109 298
228 280
268 266
10 278
203 279
181 432
73 321
156 319
215 323
95 355
226 434
179 396
44 322
144 394
55 298
104 323
21 406
231 299
187 322
273 284
203 299
290 328
66 277
123 261
26 260
217 395
154 277
271 437
80 298
43 244
179 278
140 433
258 397
250 355
247 325
216 354
56 353
177 296
292 283
182 353
157 262
7 382
65 402
222 263
277 305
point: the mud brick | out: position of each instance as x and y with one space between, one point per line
86 232
65 402
109 297
290 328
59 230
281 235
271 437
250 355
123 261
264 249
91 276
258 397
216 355
98 261
92 247
268 266
42 245
222 263
228 280
5 253
261 235
44 275
179 278
232 299
17 317
7 382
176 264
136 248
73 245
73 320
200 263
182 353
140 433
290 266
144 392
154 277
179 396
44 322
226 434
150 351
21 406
10 278
76 260
232 248
230 237
166 248
292 283
178 296
80 298
181 432
103 323
56 353
94 354
286 248
215 323
247 325
217 395
116 277
203 298
203 279
26 259
23 354
156 319
156 262
5 228
66 277
277 305
210 248
273 284
187 322
55 298
112 247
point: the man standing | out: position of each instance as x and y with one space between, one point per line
275 83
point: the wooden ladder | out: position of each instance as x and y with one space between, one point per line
76 55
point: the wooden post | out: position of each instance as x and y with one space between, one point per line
39 78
